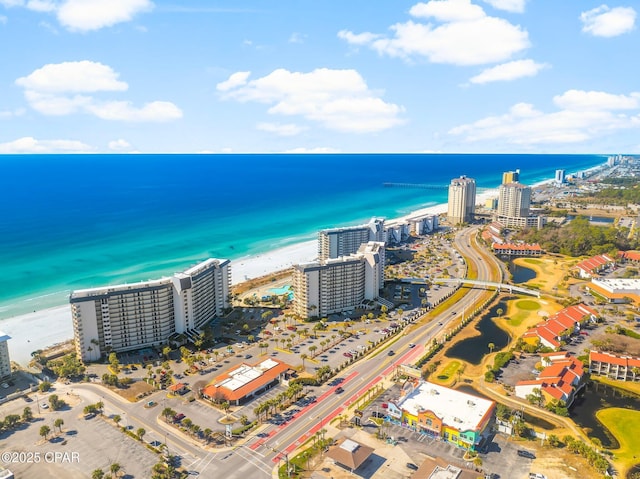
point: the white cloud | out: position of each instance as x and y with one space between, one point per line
514 6
583 116
466 35
61 89
509 71
608 22
297 38
82 76
596 100
6 114
337 99
235 80
3 19
319 149
288 129
31 145
86 15
157 111
120 145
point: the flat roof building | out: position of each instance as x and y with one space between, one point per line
337 242
456 417
514 200
339 284
132 316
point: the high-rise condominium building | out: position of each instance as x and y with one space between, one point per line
462 200
339 284
132 316
510 177
5 362
514 200
560 177
336 242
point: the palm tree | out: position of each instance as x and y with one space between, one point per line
167 413
491 347
140 433
114 468
117 418
207 434
58 423
225 406
97 474
303 357
499 312
44 431
312 350
100 406
27 414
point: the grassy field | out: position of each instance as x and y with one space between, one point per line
446 374
624 424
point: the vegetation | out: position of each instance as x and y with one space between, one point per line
594 459
69 366
579 238
624 425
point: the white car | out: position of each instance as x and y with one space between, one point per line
44 405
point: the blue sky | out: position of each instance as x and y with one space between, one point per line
531 76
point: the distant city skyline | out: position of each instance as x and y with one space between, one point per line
450 76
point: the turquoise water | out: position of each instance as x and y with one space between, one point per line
80 221
284 289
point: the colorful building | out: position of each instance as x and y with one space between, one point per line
456 417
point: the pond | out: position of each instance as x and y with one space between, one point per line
521 274
473 349
596 396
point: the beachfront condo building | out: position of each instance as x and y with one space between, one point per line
341 284
514 199
510 177
561 177
337 242
453 416
462 200
5 362
133 316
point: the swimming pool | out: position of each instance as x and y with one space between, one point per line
286 289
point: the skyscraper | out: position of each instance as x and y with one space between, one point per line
510 177
560 177
462 200
336 242
514 200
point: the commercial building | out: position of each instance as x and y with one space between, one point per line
241 383
519 249
455 417
5 361
133 316
349 453
337 242
339 284
615 290
462 200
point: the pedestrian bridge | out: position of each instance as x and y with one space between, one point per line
474 282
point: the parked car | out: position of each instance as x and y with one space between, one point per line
527 454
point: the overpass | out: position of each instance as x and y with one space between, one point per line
474 282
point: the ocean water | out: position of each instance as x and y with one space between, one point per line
79 221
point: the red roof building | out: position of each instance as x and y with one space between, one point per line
244 381
621 368
560 380
561 326
590 267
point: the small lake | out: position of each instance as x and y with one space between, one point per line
593 219
596 396
521 274
473 349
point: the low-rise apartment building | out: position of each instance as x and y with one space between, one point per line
613 366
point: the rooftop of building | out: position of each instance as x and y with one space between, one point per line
463 411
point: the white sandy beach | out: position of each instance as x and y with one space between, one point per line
45 328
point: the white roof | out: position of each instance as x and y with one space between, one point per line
349 445
457 409
241 376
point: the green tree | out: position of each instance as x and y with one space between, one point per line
27 414
44 386
58 423
44 431
140 433
97 474
491 347
113 361
117 418
115 469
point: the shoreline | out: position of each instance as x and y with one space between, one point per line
47 327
